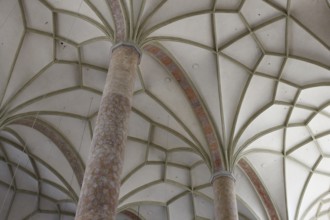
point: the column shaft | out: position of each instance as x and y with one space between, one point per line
225 205
100 189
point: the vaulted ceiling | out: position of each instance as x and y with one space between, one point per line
252 75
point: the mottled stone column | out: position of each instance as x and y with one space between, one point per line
100 189
225 205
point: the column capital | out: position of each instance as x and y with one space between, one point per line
127 44
222 173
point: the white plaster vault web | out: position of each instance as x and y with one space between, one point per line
262 69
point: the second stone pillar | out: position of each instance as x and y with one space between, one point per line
100 190
225 204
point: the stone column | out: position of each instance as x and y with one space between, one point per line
225 205
100 189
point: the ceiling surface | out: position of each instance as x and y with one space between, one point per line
259 69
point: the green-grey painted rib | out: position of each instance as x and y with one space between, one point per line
222 135
23 13
143 23
176 197
85 18
240 132
177 40
172 20
101 17
90 127
12 185
253 29
306 183
138 189
144 163
138 92
202 195
165 167
246 144
58 187
240 6
166 163
319 111
132 204
12 68
92 90
292 108
197 217
70 189
29 82
37 178
277 83
10 205
80 74
274 5
40 32
175 133
36 113
139 72
131 20
9 165
46 4
232 41
54 22
33 164
259 150
233 139
197 163
101 69
240 103
300 58
181 17
58 208
55 212
313 85
300 144
178 120
178 165
310 32
192 85
252 33
314 202
247 206
321 214
95 39
285 179
192 189
310 132
41 97
37 159
150 138
158 147
182 149
319 210
287 39
21 168
51 35
28 216
138 21
247 69
138 167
